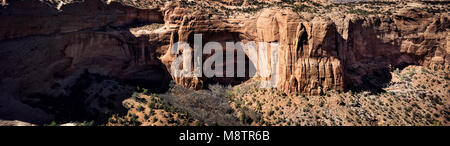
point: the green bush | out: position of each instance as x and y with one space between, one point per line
271 112
140 108
360 12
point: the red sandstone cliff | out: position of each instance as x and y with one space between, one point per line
44 49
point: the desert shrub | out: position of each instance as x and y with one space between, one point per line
135 95
242 117
302 8
53 123
271 112
86 123
258 105
424 70
201 103
360 12
133 120
140 108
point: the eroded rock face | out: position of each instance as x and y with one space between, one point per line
377 44
356 53
48 52
330 52
20 21
62 54
310 63
315 55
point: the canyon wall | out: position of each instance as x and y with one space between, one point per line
331 52
80 54
44 49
